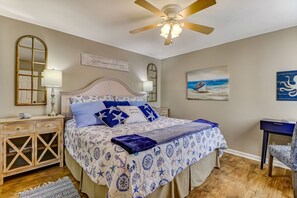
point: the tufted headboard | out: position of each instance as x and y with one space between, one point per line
100 87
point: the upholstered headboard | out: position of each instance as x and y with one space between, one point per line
100 87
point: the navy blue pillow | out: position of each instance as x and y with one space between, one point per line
112 116
149 112
115 103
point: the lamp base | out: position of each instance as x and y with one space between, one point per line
52 113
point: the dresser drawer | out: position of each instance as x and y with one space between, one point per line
18 128
48 126
277 127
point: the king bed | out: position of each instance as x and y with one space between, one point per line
170 169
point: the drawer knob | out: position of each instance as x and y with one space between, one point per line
48 125
18 128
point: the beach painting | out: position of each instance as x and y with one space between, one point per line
208 84
286 83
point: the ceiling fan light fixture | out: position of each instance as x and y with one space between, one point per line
175 32
172 15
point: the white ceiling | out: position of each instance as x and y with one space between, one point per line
109 21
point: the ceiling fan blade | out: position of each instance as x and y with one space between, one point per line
168 40
196 7
150 7
198 28
143 28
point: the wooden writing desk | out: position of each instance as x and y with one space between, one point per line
279 127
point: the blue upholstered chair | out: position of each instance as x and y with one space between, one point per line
288 156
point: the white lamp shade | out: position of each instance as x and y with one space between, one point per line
148 86
52 78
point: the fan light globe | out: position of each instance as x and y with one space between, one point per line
175 32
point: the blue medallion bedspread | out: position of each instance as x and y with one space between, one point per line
139 174
140 142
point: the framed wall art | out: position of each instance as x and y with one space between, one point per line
103 62
208 84
286 83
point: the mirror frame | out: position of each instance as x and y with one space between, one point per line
32 62
152 75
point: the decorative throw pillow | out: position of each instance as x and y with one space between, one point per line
137 103
134 113
149 112
81 99
112 116
115 103
128 98
84 113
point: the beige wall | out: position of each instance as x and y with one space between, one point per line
63 54
253 64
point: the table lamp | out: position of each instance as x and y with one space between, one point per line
147 87
52 79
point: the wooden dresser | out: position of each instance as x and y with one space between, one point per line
27 144
162 111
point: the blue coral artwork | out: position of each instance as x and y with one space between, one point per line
286 85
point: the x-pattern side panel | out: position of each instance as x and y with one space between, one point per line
19 153
47 147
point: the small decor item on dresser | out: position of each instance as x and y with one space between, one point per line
24 115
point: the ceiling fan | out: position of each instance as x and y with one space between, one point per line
172 15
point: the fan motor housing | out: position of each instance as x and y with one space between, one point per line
171 10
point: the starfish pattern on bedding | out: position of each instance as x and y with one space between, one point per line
102 115
113 168
119 117
100 173
151 115
161 171
136 189
111 109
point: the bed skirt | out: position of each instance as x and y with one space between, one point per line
180 186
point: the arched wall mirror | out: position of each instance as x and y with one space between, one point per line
31 60
152 75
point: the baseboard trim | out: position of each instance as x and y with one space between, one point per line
255 158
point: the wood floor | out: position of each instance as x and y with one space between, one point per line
238 177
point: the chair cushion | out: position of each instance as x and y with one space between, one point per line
294 149
282 153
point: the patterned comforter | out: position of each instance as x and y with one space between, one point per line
139 174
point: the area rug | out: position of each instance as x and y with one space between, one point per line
63 188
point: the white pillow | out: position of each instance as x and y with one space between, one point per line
134 113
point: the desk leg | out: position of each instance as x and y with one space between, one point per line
264 148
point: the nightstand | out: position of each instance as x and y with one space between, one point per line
163 111
27 144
